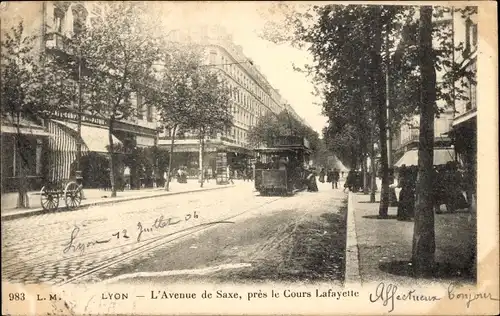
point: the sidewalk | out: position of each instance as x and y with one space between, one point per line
100 197
380 249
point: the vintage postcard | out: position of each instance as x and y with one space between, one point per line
249 158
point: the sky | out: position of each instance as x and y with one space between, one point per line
244 20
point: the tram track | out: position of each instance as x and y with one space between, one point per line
153 245
21 265
87 237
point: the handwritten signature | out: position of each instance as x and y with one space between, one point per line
388 294
469 297
161 222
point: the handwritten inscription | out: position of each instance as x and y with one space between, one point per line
76 245
469 297
388 295
162 222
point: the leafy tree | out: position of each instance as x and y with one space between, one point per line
117 53
353 46
192 97
175 100
212 113
32 87
347 43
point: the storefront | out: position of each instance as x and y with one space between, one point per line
24 149
63 147
464 135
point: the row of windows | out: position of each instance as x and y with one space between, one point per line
253 98
238 134
142 109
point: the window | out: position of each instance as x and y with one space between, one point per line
474 35
213 56
149 113
58 17
470 35
140 109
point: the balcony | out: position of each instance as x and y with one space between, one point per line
57 41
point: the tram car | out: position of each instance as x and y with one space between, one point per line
280 170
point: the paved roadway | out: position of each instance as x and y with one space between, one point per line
171 233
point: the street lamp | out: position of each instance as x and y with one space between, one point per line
78 172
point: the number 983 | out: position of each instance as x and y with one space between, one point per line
16 297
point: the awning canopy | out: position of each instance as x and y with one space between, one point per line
441 157
95 138
26 127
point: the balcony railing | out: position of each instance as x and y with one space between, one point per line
58 41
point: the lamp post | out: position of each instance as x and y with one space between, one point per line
78 172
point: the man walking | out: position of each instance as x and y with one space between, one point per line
206 176
230 175
335 179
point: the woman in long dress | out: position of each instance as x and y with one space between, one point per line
322 175
312 186
406 203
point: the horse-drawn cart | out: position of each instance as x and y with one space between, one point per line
54 191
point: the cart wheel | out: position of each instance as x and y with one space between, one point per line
49 199
72 195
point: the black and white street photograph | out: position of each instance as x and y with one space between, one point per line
148 143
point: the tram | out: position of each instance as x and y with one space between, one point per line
281 169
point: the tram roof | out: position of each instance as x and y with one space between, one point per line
282 149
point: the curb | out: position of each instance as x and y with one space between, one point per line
40 211
352 276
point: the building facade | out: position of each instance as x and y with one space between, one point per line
464 124
458 118
55 22
252 97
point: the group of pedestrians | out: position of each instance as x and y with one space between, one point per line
332 176
354 181
448 186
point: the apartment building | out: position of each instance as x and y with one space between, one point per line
461 114
463 130
253 97
55 22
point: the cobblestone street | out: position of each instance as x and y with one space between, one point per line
93 244
59 246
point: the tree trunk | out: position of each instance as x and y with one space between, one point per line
170 159
366 181
378 97
372 168
111 159
22 197
423 235
202 149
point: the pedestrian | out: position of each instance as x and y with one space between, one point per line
329 175
335 179
229 175
206 176
439 188
350 181
322 175
312 186
406 205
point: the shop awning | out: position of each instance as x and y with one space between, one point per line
26 127
441 157
94 137
97 139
